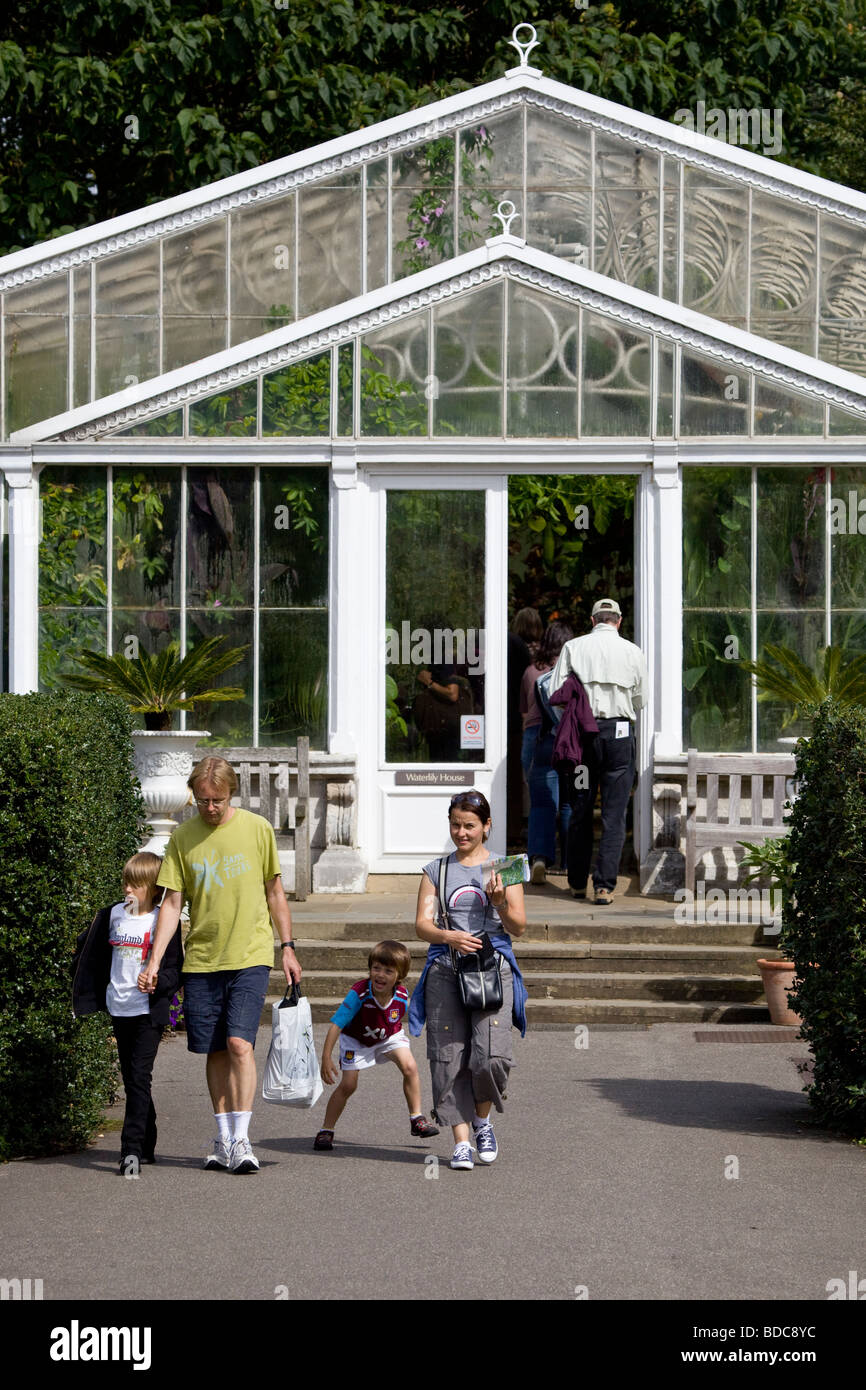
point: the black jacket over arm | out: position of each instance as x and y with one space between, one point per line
91 971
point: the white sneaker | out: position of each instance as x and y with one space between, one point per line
242 1159
485 1143
538 871
220 1156
462 1157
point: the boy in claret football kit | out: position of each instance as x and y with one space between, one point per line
369 1025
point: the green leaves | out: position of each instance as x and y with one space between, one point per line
786 677
162 682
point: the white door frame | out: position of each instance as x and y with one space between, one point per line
380 801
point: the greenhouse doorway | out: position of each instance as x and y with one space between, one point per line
571 541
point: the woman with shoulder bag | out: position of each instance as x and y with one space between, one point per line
469 918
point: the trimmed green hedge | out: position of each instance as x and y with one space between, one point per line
70 816
824 923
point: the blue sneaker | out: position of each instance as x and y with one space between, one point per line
485 1143
462 1157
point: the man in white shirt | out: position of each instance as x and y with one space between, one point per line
614 674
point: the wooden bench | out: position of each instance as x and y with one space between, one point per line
271 768
745 774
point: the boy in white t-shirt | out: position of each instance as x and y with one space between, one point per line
109 960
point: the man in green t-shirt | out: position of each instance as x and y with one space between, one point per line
224 863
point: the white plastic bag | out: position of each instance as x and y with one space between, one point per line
292 1069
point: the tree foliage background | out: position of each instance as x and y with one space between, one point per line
111 104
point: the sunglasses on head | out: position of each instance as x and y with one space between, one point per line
474 799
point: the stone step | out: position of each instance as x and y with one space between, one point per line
578 956
566 1013
570 985
589 923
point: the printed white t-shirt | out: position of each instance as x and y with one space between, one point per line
130 939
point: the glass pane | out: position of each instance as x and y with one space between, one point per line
542 364
294 538
297 399
714 398
127 324
467 394
491 169
626 213
194 294
434 622
616 379
784 272
558 214
329 243
716 216
146 562
135 630
36 349
790 525
345 389
665 404
843 294
293 683
81 335
229 723
423 206
717 539
847 545
128 284
717 716
262 264
394 378
804 634
843 422
232 413
376 175
72 578
671 237
219 543
785 412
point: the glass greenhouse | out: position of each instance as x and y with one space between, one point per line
289 408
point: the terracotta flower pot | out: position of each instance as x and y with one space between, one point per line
778 978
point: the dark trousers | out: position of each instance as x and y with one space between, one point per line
137 1041
610 764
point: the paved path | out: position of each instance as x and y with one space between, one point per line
612 1179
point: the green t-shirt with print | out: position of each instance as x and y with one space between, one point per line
221 871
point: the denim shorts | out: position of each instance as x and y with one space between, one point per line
222 1004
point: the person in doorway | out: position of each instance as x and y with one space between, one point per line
224 863
549 799
469 1049
613 672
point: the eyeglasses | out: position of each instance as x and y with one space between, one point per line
474 799
211 800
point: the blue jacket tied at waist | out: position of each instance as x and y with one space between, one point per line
502 943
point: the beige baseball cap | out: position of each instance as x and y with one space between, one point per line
607 605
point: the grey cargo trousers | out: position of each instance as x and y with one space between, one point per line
469 1051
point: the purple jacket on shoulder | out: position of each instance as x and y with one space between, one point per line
577 721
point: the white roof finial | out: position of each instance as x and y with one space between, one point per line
524 48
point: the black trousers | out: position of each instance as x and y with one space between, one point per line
137 1041
609 762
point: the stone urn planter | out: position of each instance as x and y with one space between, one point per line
163 761
778 978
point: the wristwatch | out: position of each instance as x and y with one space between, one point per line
284 944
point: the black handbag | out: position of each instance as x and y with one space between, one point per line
479 977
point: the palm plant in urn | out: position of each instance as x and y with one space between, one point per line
155 686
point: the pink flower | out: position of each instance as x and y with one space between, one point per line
421 243
425 217
439 211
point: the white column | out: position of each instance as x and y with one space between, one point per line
23 576
666 668
350 605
